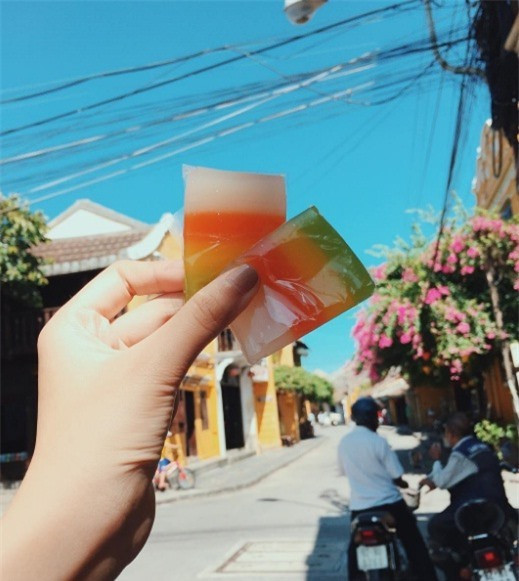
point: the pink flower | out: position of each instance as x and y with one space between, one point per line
379 272
409 275
450 315
448 269
444 290
491 335
516 285
467 270
456 366
406 338
433 294
452 259
402 315
457 245
472 252
463 328
385 341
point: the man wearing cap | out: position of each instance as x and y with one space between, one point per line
375 473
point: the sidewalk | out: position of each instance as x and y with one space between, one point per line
241 473
240 469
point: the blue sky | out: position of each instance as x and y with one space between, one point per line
362 166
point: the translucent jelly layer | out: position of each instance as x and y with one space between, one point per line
308 275
225 213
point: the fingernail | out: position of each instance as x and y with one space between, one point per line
243 277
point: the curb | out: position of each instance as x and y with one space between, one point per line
187 495
208 466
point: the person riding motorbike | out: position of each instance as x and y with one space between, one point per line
471 472
375 473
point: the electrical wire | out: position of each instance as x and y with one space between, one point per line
190 74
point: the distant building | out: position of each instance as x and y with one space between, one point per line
495 187
495 182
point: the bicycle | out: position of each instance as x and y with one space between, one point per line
169 473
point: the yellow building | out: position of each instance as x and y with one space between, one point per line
495 184
495 188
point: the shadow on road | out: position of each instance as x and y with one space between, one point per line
328 558
331 496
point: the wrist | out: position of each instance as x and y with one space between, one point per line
60 519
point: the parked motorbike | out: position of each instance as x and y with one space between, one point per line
492 543
379 552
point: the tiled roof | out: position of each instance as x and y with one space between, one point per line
82 253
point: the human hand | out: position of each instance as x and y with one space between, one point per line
401 483
106 390
435 451
427 482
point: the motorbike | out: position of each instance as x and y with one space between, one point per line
491 542
380 555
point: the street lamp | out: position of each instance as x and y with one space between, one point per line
300 11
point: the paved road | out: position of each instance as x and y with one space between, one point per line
292 526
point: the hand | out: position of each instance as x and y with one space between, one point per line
106 390
435 451
427 482
401 483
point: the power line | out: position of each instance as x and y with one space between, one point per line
119 72
205 69
380 56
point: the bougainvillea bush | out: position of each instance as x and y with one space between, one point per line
432 314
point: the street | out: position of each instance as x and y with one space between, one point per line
292 525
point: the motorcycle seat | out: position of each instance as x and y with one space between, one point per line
371 517
479 516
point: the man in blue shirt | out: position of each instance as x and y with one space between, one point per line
375 473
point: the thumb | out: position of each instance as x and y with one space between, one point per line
170 350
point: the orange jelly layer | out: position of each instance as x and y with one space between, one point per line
212 240
296 270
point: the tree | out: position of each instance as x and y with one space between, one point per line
311 386
440 312
20 271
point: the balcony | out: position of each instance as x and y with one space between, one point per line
20 330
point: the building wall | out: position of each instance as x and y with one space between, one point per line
498 396
206 408
495 182
422 400
288 404
495 188
265 405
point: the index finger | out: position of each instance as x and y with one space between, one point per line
111 290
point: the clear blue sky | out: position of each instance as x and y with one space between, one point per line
363 167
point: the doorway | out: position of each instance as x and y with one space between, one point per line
231 403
